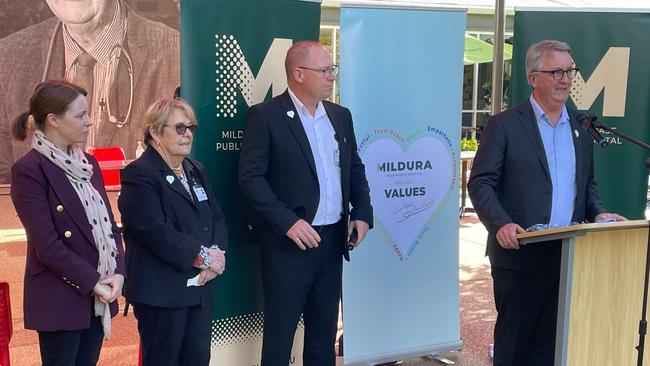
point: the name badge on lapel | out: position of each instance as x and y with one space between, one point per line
200 193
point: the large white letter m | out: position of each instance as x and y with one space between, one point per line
610 77
234 74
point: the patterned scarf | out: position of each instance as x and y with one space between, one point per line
79 171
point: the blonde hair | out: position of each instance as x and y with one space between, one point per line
158 114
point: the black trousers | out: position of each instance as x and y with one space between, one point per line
526 302
174 336
307 282
72 348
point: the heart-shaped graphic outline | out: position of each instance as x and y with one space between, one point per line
410 183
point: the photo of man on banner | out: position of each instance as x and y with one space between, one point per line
124 60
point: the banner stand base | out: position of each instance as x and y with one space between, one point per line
430 350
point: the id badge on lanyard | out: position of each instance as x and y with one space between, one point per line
199 192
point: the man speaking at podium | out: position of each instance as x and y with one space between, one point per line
533 168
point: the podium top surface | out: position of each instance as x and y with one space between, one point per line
579 230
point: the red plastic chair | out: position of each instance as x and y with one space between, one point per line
6 327
111 160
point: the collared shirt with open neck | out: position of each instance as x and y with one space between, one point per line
561 158
325 150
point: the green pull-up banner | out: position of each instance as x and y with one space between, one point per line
611 50
232 57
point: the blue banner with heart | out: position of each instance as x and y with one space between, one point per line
403 85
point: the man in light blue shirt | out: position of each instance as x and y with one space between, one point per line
558 145
534 166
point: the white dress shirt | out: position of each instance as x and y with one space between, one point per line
325 150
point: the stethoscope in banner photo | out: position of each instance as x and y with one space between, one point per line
122 54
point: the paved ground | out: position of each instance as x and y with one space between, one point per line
477 306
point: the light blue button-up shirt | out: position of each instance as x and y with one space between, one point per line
561 158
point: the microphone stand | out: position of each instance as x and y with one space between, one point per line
643 323
598 124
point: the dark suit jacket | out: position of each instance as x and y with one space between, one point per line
154 49
277 173
164 229
510 182
60 271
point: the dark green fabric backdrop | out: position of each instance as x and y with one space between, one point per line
253 25
620 169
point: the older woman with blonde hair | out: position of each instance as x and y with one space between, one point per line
175 239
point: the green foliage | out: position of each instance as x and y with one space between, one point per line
468 144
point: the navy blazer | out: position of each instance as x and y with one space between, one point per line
277 173
61 265
164 229
510 183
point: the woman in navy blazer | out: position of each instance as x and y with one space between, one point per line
175 240
75 264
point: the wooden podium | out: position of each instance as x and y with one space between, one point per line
601 292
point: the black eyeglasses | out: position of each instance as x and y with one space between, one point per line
181 128
559 73
325 71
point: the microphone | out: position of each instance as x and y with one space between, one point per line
588 124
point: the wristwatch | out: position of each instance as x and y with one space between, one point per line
204 259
